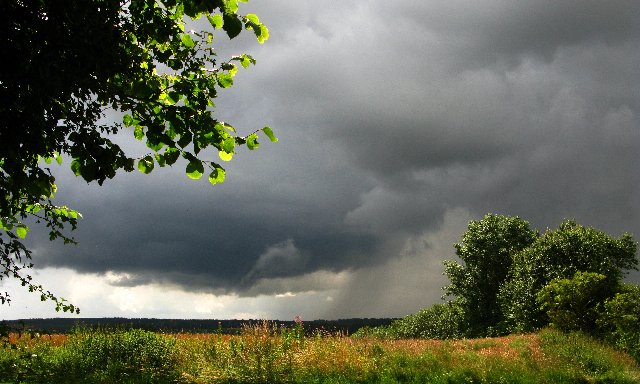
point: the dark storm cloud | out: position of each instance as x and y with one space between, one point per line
489 32
390 116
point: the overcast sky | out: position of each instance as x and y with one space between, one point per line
398 123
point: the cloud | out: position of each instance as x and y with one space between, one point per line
278 260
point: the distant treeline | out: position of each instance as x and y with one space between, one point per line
65 325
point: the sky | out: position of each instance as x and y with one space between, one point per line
398 123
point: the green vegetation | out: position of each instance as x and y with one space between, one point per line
511 279
72 61
619 320
440 321
574 304
265 353
486 252
559 254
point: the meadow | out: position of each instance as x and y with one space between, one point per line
267 353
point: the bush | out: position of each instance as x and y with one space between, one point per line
574 304
380 332
440 321
620 319
129 356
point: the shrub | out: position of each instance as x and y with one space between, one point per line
440 321
573 304
135 355
380 332
620 319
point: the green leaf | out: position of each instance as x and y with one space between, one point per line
267 131
34 208
245 60
155 147
232 25
21 231
171 155
75 166
252 141
145 165
230 6
58 158
232 70
228 127
225 155
216 21
160 160
195 169
127 120
253 18
262 33
138 132
217 176
187 41
228 144
225 79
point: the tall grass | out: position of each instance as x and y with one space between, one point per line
267 353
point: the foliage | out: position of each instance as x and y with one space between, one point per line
71 61
620 319
560 254
98 356
486 251
104 355
574 304
440 321
513 280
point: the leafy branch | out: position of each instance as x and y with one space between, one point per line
62 81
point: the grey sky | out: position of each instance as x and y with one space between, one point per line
398 122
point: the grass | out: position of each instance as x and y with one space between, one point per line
265 353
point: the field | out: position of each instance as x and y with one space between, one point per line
265 353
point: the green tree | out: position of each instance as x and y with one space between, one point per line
559 254
486 251
70 62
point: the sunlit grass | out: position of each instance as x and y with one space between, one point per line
267 353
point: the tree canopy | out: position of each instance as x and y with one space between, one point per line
559 254
510 278
73 60
508 269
